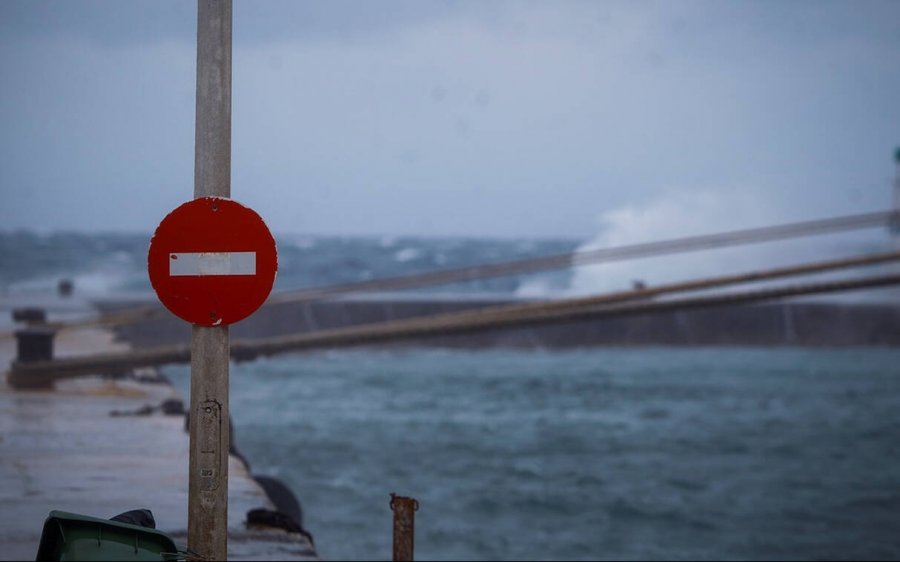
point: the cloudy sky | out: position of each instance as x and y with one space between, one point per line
455 118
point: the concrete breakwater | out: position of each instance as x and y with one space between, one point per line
778 324
100 446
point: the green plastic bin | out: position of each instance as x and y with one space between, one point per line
69 536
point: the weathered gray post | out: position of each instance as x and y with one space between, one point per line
208 478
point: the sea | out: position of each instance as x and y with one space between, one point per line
630 453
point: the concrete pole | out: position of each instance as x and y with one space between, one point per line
208 478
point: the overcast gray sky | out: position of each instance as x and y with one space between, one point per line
474 118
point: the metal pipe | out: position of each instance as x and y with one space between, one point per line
404 509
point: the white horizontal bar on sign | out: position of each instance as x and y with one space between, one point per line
212 263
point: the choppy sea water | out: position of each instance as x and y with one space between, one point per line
691 453
639 453
106 265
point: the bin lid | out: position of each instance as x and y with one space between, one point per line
71 536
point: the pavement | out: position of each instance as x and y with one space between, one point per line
62 449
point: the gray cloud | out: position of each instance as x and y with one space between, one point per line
505 118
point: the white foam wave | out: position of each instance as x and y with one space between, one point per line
692 213
537 288
407 254
302 242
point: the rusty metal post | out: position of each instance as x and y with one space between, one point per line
404 526
208 462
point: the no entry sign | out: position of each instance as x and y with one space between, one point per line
212 261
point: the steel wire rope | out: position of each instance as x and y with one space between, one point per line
532 265
615 304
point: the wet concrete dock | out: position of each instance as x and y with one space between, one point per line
64 449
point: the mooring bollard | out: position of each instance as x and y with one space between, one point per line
34 343
29 315
404 526
65 287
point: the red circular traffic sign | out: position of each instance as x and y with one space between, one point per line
212 261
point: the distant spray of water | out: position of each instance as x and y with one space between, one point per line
705 212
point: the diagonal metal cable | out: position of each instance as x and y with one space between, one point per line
569 310
532 265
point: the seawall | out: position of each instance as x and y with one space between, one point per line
778 324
